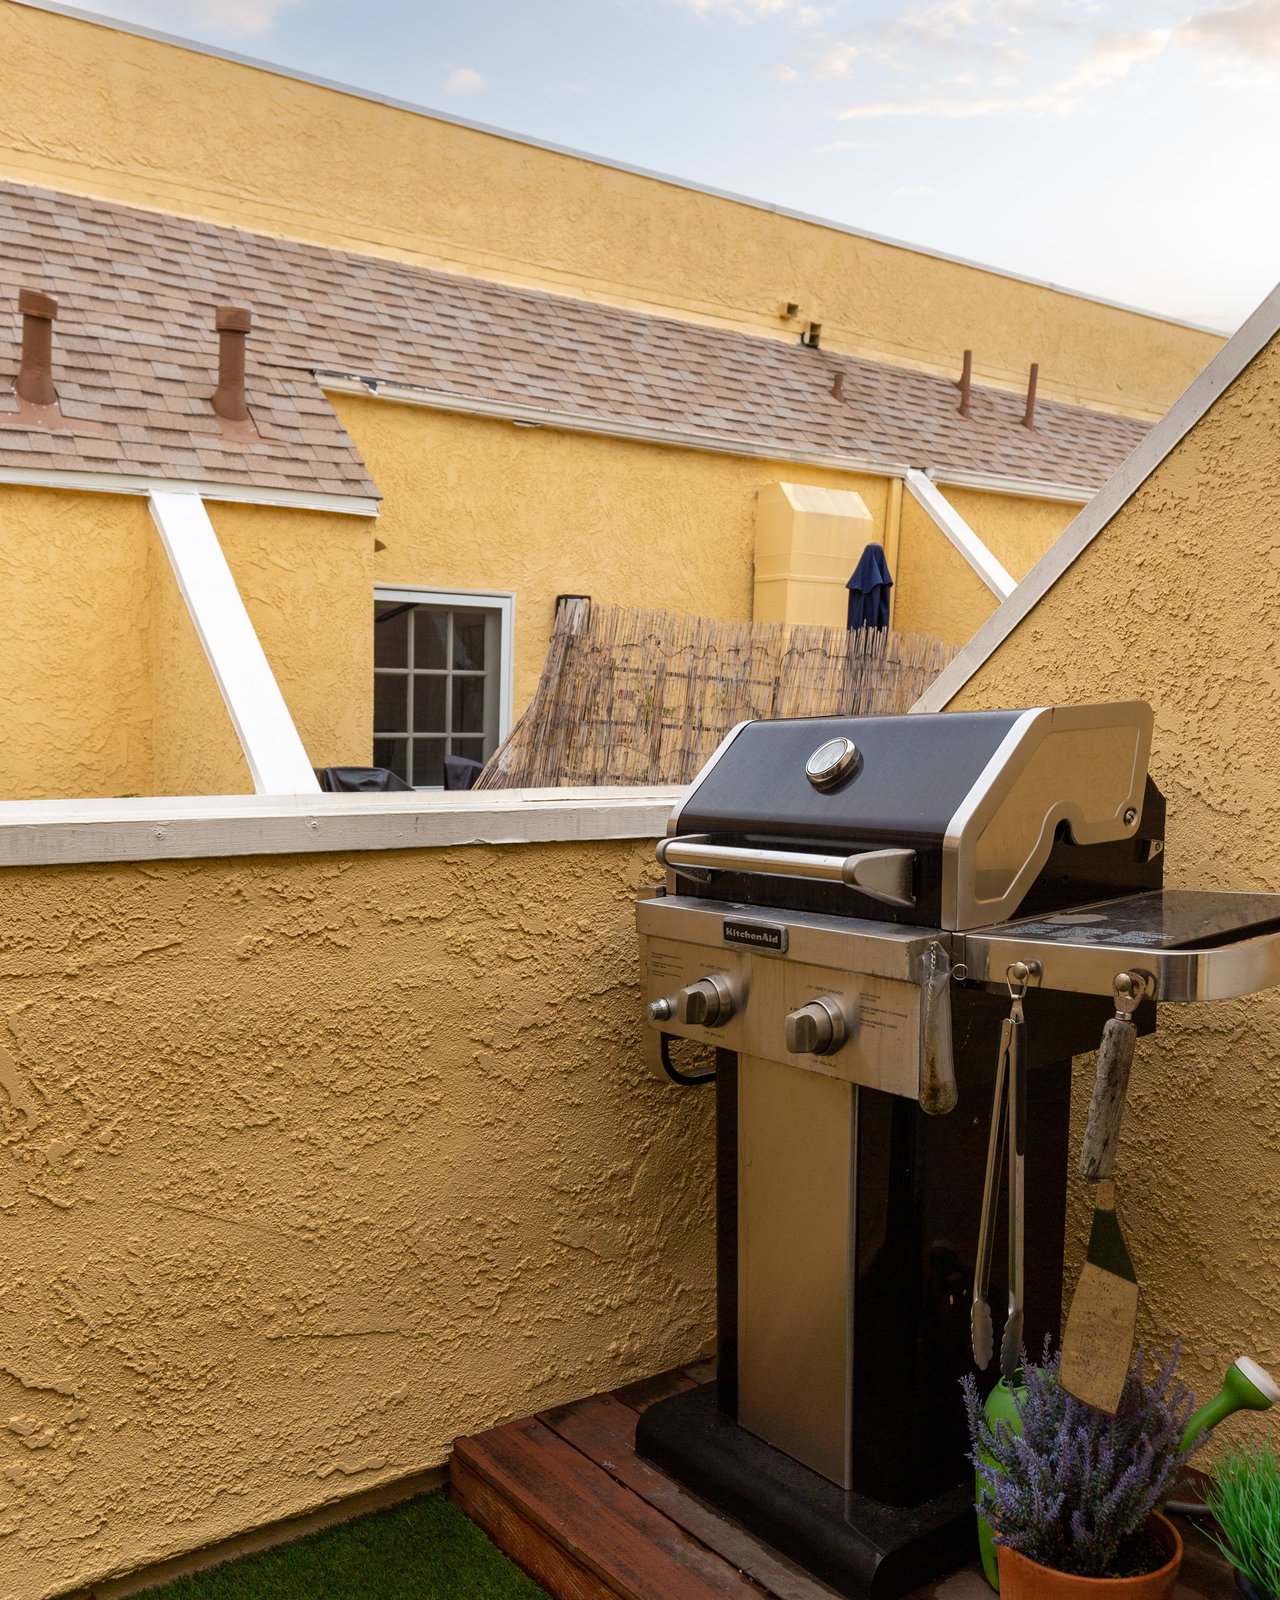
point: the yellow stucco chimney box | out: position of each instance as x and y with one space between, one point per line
808 541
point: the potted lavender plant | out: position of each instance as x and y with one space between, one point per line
1072 1495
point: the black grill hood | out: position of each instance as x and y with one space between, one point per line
914 775
1003 812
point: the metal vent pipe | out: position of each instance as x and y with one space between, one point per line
233 324
35 374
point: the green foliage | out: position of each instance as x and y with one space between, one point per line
1244 1496
422 1550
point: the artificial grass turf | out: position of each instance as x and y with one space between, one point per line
424 1549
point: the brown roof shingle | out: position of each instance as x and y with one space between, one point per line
136 356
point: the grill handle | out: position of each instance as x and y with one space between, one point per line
882 874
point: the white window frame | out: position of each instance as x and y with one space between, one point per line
503 601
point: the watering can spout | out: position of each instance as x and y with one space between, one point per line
1246 1387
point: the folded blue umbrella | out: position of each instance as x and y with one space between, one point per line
869 590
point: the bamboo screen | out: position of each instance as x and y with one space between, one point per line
630 696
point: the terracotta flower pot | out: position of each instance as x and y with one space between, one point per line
1024 1579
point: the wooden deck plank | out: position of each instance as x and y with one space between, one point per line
648 1391
604 1429
527 1545
634 1550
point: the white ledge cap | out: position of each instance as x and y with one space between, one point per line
52 832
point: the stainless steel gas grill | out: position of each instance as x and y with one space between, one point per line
848 905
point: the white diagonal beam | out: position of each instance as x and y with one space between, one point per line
944 515
277 761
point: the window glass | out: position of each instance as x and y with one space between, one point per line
436 685
428 702
468 641
390 702
430 638
468 705
392 753
390 633
428 763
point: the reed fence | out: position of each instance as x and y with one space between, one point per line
630 696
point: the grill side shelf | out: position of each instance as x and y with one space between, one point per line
1197 945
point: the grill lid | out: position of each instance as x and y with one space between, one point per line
986 791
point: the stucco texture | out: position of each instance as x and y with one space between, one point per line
1016 529
102 112
75 678
472 503
309 1164
306 579
1175 602
105 688
936 592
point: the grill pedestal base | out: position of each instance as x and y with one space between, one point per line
860 1547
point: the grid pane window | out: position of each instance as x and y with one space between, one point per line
436 685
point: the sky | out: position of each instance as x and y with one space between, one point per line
1125 149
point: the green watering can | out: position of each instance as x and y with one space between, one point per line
1246 1387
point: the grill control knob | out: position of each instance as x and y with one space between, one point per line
816 1029
707 1003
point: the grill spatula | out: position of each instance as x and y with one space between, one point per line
1097 1346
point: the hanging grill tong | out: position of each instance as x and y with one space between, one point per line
1008 1128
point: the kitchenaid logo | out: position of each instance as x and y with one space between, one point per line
762 935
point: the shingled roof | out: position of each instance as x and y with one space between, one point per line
136 358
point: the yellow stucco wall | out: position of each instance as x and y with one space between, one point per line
936 591
107 688
1176 602
195 748
1016 529
478 504
75 679
306 579
307 1165
104 687
106 113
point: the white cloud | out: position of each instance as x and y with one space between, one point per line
836 61
1251 29
463 80
844 144
916 188
1113 58
1110 60
784 73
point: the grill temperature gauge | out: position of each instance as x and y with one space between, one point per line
816 1029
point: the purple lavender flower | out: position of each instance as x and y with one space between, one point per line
1076 1484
